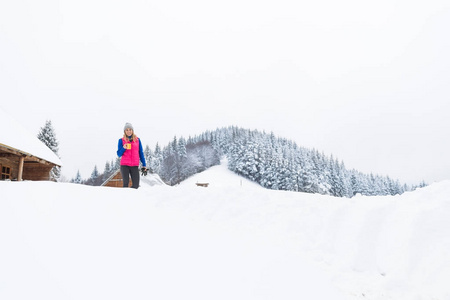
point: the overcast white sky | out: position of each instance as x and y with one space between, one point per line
366 81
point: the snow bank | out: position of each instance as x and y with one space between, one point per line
232 240
151 180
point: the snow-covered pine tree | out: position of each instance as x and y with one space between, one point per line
95 175
182 171
168 165
107 168
47 135
156 162
148 154
77 178
107 172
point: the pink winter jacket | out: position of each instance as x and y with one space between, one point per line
131 156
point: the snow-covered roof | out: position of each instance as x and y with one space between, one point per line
149 180
16 137
111 177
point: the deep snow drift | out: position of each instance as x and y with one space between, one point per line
232 240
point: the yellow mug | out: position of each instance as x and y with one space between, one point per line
128 145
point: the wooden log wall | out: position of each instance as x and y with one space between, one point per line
10 163
36 171
116 181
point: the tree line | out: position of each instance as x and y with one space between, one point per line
174 163
280 164
273 162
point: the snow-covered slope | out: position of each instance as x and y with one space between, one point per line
231 240
151 180
220 177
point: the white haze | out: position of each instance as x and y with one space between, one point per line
364 81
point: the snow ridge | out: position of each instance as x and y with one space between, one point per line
231 240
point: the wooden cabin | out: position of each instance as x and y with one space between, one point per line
22 155
115 180
19 165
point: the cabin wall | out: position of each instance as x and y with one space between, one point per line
116 181
11 163
36 171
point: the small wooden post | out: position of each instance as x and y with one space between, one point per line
21 161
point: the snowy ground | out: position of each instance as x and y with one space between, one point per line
232 240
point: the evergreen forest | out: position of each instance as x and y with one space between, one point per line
273 162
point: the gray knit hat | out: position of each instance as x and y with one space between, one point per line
128 125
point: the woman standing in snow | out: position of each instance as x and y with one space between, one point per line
131 152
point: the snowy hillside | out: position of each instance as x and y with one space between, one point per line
231 240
